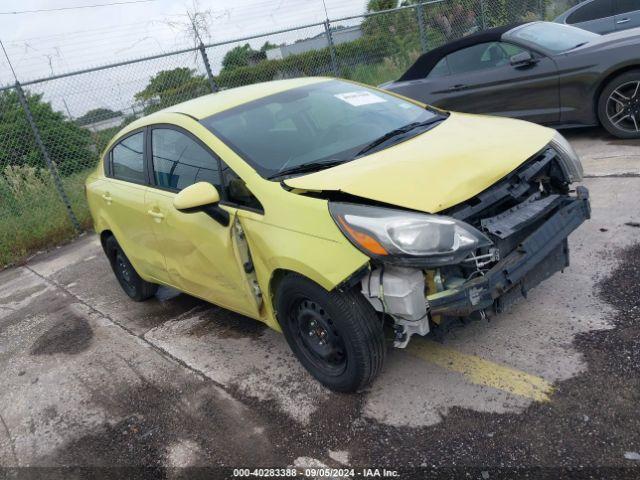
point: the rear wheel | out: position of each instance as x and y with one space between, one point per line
619 105
337 336
132 284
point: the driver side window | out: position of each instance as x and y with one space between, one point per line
482 56
179 161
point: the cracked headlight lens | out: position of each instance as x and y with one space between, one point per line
569 159
410 238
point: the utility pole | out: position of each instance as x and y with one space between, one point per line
66 107
203 53
330 44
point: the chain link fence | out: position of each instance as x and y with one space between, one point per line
53 130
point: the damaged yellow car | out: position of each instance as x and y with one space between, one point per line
327 209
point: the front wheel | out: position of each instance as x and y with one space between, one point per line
337 336
619 105
132 284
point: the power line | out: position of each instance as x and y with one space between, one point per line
17 12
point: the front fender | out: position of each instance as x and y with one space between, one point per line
276 249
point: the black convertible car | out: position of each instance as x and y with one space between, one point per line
543 72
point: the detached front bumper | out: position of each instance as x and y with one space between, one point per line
543 253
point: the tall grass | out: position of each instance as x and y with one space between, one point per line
32 215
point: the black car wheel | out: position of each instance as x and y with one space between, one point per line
132 284
337 336
619 105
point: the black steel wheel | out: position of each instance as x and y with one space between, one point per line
132 284
317 337
337 336
125 273
619 105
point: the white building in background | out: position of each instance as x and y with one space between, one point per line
341 35
104 124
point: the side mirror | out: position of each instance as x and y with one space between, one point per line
196 196
522 59
201 197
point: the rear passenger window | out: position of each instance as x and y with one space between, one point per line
592 11
480 57
127 159
626 6
441 69
180 161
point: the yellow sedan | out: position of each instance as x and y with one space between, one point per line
329 210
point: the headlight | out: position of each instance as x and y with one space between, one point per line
401 237
570 161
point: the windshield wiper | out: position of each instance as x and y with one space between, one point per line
396 133
306 167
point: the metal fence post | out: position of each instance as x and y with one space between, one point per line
423 32
47 158
483 21
207 66
332 50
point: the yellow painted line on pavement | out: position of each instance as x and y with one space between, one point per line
483 372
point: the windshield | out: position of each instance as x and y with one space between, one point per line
328 122
553 37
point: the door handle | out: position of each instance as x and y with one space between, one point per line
624 20
107 197
156 215
457 88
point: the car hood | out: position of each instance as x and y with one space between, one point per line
438 169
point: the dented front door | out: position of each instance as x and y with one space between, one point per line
203 257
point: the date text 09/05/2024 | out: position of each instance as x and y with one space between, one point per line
316 472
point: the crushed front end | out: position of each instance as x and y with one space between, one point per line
522 223
528 217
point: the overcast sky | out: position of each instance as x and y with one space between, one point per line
47 43
43 43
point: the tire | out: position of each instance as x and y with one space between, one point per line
619 105
354 345
133 285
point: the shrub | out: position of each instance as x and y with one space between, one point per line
315 62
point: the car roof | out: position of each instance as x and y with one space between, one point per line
425 63
562 18
213 103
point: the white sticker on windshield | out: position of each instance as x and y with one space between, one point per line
360 98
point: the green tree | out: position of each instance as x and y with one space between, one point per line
397 28
243 56
267 46
96 115
378 5
169 87
504 12
455 19
69 146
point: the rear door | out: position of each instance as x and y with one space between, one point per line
596 16
123 196
481 79
201 254
627 14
